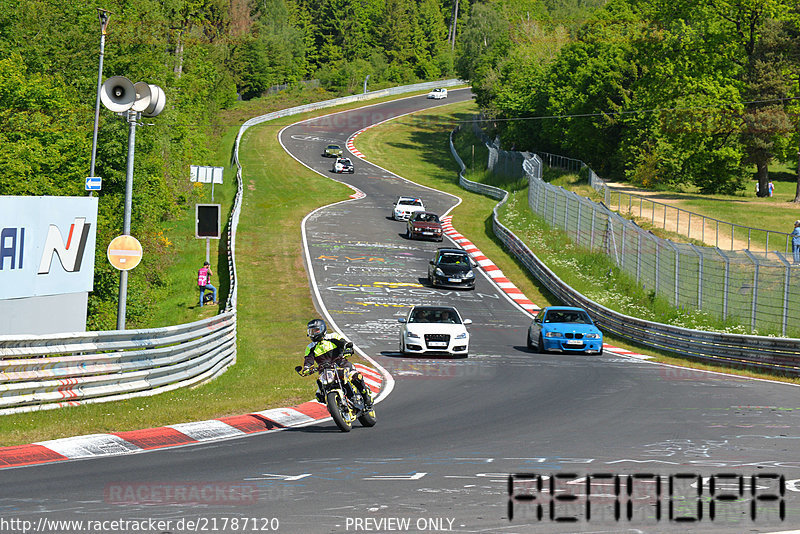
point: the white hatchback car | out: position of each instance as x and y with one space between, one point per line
434 329
438 94
405 206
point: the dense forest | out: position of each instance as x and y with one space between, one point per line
662 93
658 92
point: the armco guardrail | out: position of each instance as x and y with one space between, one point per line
781 355
53 371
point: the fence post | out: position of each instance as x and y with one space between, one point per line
725 281
658 264
591 230
786 279
578 229
699 276
622 245
638 257
754 307
676 274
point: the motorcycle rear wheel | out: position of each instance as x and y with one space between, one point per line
335 409
367 418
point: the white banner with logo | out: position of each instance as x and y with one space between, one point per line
47 245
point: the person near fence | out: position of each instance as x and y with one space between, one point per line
796 242
204 283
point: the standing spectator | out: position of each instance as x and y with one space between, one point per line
771 188
796 242
204 282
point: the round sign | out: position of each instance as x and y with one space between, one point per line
124 252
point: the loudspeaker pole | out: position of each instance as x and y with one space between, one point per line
133 116
103 14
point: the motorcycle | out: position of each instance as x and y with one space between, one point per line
345 403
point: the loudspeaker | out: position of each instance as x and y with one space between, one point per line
118 94
142 96
157 101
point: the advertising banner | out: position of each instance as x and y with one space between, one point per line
47 245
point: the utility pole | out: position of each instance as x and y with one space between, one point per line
103 14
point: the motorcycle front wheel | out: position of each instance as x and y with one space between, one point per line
335 408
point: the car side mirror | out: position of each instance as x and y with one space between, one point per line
467 321
431 262
401 319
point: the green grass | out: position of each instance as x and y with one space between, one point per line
274 299
416 148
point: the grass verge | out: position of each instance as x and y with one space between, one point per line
274 298
416 147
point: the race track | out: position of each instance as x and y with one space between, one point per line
453 430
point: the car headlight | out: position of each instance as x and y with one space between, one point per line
469 275
412 335
592 336
552 334
439 272
462 335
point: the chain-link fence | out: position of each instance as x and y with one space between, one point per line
759 290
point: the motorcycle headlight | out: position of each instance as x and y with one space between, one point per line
412 335
439 272
462 335
552 334
592 336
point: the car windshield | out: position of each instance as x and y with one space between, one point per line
426 217
453 259
567 316
414 202
434 315
333 147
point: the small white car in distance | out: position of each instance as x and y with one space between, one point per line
434 329
343 165
405 206
438 94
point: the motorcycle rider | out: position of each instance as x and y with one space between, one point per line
332 348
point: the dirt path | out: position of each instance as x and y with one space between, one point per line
661 211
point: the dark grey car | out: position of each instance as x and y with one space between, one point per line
452 267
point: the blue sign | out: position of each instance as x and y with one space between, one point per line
93 183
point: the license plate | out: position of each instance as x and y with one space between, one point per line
574 342
454 280
427 233
437 343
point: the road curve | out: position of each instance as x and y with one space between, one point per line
452 431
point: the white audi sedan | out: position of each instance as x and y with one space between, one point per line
434 330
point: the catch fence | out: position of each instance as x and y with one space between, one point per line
757 288
779 355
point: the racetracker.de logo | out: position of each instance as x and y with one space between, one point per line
225 493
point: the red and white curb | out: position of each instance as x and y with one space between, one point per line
494 272
135 441
488 266
491 270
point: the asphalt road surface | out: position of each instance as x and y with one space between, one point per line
461 445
